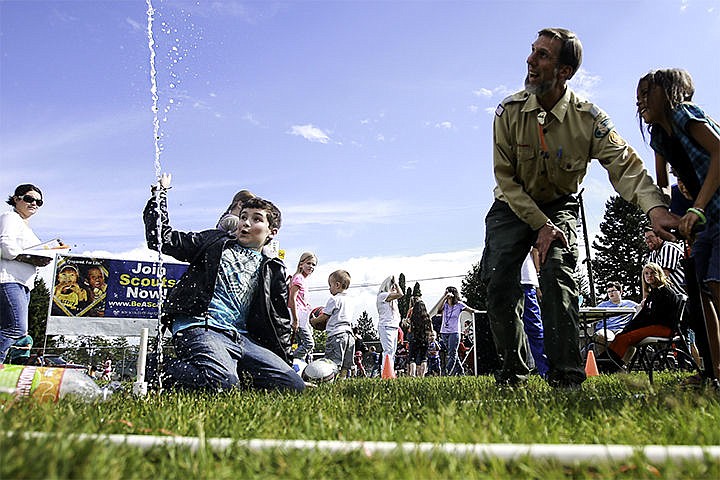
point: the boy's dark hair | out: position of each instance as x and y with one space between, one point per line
570 47
21 190
341 276
616 285
273 213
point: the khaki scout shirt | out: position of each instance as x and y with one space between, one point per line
529 174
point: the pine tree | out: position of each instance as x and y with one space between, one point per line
620 247
404 301
38 311
474 289
416 290
366 328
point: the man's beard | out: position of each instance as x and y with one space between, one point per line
543 87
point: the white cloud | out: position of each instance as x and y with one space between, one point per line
584 83
473 108
500 91
409 165
135 25
310 133
248 117
444 125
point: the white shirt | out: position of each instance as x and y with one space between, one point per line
388 312
340 309
15 236
528 274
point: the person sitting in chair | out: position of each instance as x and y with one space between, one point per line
605 331
658 316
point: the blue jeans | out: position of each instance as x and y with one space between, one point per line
306 343
453 366
534 329
14 302
214 360
706 254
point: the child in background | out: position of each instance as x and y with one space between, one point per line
684 136
375 356
433 355
340 343
401 358
300 309
359 367
230 220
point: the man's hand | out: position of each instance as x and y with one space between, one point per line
547 234
662 221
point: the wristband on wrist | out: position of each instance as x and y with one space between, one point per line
700 214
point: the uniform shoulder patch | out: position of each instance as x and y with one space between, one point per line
499 110
603 127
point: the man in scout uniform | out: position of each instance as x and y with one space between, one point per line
544 139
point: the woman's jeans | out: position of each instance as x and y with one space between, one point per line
219 360
453 365
14 303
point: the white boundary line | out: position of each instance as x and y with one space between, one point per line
507 451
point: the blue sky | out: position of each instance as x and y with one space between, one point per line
369 123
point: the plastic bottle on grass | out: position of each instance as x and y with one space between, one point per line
48 384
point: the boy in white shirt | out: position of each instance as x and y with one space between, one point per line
340 343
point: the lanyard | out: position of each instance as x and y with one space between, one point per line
541 124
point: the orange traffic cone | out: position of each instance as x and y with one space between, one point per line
388 369
591 369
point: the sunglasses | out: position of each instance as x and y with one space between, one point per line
31 199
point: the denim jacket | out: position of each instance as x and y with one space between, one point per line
268 320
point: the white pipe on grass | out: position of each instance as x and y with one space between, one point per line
566 453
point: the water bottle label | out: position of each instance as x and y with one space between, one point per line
41 383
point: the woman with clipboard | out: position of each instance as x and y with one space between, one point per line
17 271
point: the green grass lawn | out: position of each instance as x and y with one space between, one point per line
619 409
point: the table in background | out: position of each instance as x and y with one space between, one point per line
590 315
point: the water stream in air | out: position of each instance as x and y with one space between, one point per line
158 173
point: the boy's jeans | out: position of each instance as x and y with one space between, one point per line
340 348
210 359
14 302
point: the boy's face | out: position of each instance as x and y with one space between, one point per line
334 285
254 230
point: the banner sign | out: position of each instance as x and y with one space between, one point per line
103 296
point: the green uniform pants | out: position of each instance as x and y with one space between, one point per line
507 242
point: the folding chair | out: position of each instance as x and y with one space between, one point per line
665 353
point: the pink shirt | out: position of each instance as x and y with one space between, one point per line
300 303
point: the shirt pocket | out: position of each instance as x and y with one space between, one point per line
527 163
568 172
